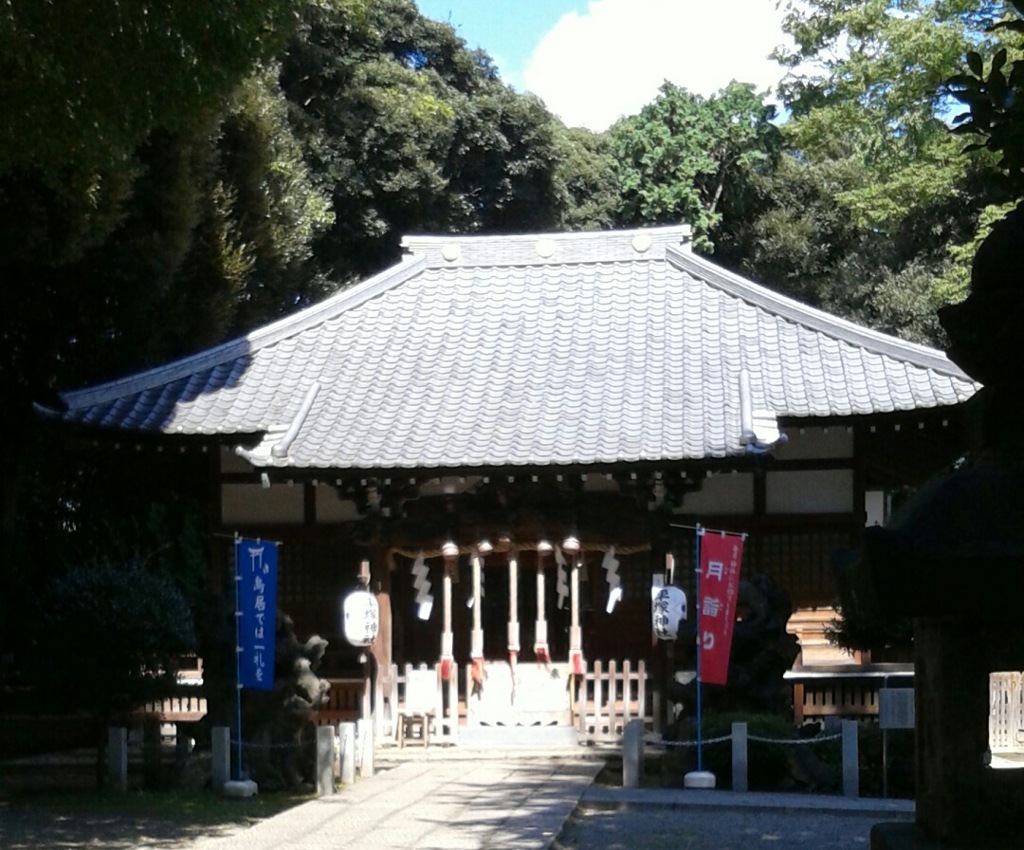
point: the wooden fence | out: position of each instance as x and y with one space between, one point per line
186 708
606 698
387 699
1006 712
347 700
849 698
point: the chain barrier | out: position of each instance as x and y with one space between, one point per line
706 741
252 745
819 739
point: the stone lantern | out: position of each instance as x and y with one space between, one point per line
954 561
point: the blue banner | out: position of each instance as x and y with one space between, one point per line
256 569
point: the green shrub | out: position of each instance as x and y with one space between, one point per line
770 767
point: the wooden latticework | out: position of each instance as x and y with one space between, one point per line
848 698
1006 712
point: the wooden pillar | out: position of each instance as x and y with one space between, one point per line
382 648
513 607
540 635
575 631
477 636
447 638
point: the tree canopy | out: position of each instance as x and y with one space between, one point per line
874 211
682 156
993 93
84 83
408 130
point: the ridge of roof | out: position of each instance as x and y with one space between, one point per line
814 318
241 346
586 246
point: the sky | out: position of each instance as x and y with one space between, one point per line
594 61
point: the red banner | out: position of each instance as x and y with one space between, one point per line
720 557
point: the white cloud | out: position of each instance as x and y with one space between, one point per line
592 68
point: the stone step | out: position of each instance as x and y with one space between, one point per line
512 737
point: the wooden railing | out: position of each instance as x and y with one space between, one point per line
187 705
606 698
845 691
347 700
850 698
188 708
1006 712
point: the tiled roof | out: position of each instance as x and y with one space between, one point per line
482 351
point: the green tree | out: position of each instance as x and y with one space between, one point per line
408 130
993 93
147 208
588 178
683 155
878 102
128 627
84 83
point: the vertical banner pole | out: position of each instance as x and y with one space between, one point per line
255 605
700 742
238 663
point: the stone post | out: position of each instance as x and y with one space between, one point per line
632 754
117 757
851 767
220 767
739 757
347 734
324 761
364 731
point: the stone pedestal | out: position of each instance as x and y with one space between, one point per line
955 562
959 797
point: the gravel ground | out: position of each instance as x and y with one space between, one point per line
666 828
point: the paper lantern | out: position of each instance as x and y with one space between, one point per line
362 617
668 610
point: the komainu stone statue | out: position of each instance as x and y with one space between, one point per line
278 725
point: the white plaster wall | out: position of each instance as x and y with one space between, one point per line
330 507
251 503
230 462
828 491
449 485
727 493
593 483
806 443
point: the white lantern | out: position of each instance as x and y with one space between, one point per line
361 614
668 610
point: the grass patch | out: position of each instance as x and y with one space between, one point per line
185 807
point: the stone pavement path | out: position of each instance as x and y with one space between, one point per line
717 828
519 805
510 803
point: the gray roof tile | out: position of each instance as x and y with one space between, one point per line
584 348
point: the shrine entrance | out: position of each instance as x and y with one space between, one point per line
509 619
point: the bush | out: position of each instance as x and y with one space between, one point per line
109 638
770 767
872 765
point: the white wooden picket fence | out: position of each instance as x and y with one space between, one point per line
603 701
1006 713
608 696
